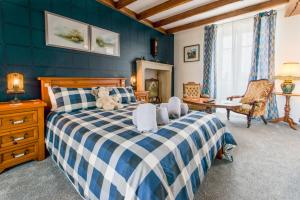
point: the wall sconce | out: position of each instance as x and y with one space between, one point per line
15 85
133 81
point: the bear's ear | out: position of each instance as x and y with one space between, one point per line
95 92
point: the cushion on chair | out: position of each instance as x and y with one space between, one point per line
191 90
245 109
257 91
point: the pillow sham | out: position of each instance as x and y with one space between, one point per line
125 94
68 99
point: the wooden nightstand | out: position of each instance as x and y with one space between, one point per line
21 132
142 96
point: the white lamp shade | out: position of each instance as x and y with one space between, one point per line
291 69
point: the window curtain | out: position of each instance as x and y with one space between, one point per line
234 51
263 54
209 68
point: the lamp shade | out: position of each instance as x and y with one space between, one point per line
15 83
290 71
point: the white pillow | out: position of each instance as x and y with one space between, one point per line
174 107
144 117
184 109
52 99
162 116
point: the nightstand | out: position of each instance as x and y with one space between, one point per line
21 132
142 96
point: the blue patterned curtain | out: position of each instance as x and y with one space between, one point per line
263 54
209 68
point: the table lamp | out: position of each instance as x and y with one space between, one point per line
288 72
15 85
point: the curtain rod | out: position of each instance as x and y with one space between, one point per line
252 16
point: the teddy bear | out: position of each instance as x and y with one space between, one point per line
105 101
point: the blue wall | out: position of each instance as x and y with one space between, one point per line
22 43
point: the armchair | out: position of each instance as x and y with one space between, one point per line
254 101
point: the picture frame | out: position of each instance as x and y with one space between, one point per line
104 41
192 53
66 33
152 85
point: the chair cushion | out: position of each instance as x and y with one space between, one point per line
246 108
191 90
257 91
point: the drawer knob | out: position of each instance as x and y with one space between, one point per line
15 140
20 121
20 154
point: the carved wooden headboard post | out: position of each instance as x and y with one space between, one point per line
75 82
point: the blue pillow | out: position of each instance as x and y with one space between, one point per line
69 99
126 94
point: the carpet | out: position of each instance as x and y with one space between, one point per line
266 166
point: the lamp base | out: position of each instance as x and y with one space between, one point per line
287 87
15 100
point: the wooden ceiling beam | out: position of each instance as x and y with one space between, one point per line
161 8
194 11
234 13
130 13
293 8
123 3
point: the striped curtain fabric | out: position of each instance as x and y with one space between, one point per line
209 69
263 66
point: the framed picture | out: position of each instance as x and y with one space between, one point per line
152 85
66 33
105 42
192 53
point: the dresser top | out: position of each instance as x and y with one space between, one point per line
6 106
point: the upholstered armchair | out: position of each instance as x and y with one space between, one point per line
193 90
254 101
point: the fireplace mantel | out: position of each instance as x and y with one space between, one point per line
164 75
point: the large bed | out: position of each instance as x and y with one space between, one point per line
105 157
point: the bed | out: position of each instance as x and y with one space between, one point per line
104 156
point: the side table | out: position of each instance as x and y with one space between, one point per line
287 108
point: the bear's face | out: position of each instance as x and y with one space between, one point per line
100 92
103 92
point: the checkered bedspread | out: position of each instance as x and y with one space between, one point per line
105 157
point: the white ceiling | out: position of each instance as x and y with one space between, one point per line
141 5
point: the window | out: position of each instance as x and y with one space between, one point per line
234 51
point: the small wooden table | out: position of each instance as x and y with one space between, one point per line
287 109
142 96
202 102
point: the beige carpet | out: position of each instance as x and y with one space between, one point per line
266 166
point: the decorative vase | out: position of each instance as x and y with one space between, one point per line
287 87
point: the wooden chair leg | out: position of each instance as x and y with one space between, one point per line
248 121
228 114
264 120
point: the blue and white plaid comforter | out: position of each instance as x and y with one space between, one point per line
105 157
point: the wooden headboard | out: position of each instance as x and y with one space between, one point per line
75 82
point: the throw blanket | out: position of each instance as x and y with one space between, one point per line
105 157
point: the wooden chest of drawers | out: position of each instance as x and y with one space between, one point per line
21 133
